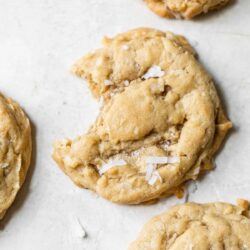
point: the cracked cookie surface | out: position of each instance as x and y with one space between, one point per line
197 226
186 9
15 151
160 124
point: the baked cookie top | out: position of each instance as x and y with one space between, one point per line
160 123
186 9
15 151
197 226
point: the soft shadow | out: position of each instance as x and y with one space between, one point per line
214 13
219 90
24 191
224 105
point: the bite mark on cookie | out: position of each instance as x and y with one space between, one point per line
161 103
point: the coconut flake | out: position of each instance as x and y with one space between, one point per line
79 229
4 165
154 71
173 159
99 61
125 47
156 159
108 82
110 164
155 176
149 170
152 175
126 83
162 159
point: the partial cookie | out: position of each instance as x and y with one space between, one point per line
15 151
186 9
160 124
197 226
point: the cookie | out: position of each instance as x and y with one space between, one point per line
15 151
197 226
186 9
160 124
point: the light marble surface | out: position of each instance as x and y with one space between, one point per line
39 40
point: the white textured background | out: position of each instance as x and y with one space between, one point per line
39 40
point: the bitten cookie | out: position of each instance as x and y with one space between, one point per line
186 9
15 151
160 124
197 226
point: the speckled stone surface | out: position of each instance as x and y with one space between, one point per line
39 43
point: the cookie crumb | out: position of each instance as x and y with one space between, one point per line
243 203
80 231
179 192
